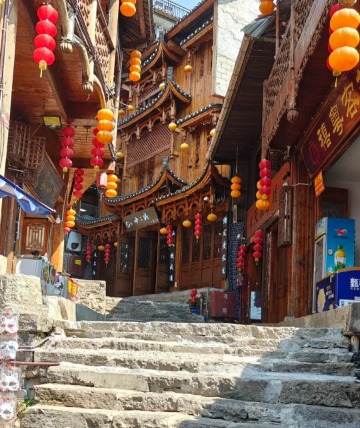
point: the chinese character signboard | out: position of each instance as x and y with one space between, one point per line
339 116
140 219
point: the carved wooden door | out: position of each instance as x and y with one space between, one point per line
124 266
145 263
201 258
162 265
35 236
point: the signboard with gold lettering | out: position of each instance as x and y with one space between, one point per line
339 116
256 218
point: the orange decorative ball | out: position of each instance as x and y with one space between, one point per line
187 223
128 9
134 76
345 18
235 194
135 68
105 114
135 61
344 37
266 7
104 137
105 125
112 178
110 193
236 179
184 146
135 54
111 185
212 217
344 59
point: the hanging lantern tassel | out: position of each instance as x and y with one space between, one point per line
258 240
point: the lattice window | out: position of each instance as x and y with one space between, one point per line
150 144
207 242
144 254
186 246
195 250
302 11
124 257
218 238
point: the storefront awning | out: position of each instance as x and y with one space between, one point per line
26 202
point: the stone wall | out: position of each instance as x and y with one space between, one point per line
230 17
92 294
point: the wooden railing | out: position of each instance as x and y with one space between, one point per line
170 8
299 41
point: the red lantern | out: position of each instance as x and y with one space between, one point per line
240 261
78 179
258 240
44 42
67 229
107 254
77 194
264 185
66 152
88 251
169 235
198 226
97 152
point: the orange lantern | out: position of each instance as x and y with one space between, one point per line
172 126
212 217
110 193
343 59
105 114
186 223
266 7
104 137
163 231
134 76
184 146
344 37
105 125
128 9
345 18
135 61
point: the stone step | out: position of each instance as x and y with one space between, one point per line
216 332
182 361
45 416
271 387
243 347
212 408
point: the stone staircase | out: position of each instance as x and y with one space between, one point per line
188 375
148 310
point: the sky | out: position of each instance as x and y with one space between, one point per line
189 4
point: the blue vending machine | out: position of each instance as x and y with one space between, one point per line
334 248
339 289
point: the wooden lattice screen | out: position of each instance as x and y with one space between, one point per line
150 144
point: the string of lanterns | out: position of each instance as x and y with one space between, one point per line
135 66
96 161
344 38
198 226
264 186
111 186
67 143
89 249
241 254
258 240
78 186
70 220
107 253
44 41
266 7
127 8
105 126
235 187
169 235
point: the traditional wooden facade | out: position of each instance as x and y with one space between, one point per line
92 38
297 97
163 182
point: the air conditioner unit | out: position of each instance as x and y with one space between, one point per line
74 241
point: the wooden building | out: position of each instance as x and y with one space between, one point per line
166 178
300 96
90 43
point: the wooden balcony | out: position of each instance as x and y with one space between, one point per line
304 30
170 8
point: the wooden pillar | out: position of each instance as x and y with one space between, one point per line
300 281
